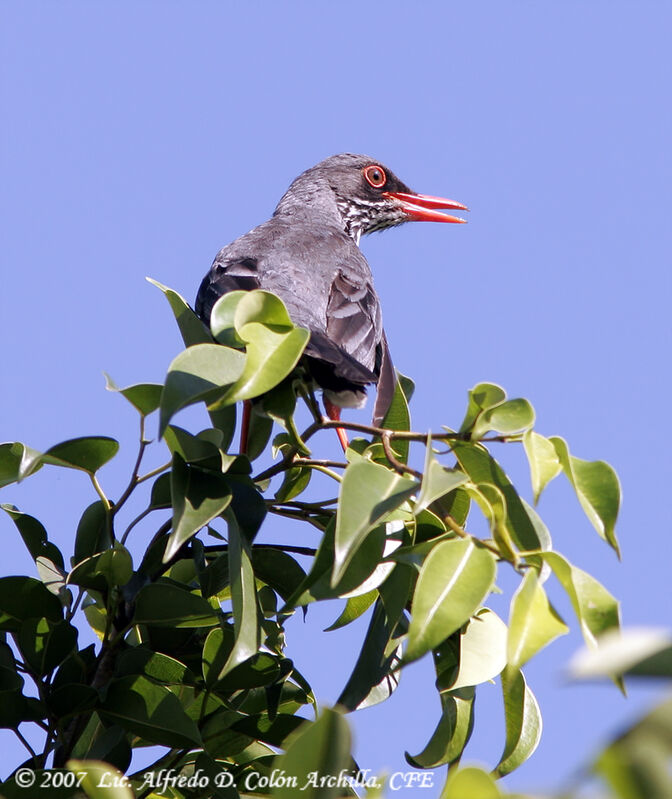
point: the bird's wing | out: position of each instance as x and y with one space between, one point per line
354 319
387 380
224 276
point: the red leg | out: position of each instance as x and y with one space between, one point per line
245 426
334 413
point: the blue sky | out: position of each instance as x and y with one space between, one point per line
138 139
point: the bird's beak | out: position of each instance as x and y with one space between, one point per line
422 207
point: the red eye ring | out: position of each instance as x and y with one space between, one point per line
375 176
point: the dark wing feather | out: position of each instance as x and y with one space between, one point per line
354 318
225 276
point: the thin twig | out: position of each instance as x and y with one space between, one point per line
132 483
396 464
455 527
18 734
94 480
154 472
221 549
135 521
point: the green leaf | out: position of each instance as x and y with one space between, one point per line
151 711
113 567
202 372
437 481
454 580
166 605
45 645
23 598
192 329
16 462
278 570
355 607
451 734
398 417
596 609
243 600
222 319
512 416
533 623
481 397
483 470
544 462
368 493
198 497
470 782
93 532
482 649
597 488
318 749
144 397
375 676
273 345
86 453
523 721
34 536
102 781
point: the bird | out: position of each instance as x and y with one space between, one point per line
308 254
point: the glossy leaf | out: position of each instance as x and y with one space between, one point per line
192 329
471 782
88 453
93 532
597 488
597 610
482 649
533 623
23 598
44 645
166 605
149 710
368 493
453 582
100 780
199 496
202 372
113 567
543 459
34 536
144 397
523 721
222 319
398 417
277 569
318 749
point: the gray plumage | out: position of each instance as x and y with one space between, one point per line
307 253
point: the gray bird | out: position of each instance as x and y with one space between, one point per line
307 253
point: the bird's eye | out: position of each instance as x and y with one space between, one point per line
375 176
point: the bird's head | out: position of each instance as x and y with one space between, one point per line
366 195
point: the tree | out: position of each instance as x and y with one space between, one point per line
192 655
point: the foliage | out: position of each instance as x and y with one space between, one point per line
192 655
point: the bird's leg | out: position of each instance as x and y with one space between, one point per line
245 426
334 413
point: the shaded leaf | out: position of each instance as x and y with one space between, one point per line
198 496
523 721
481 397
453 582
88 453
149 710
533 622
23 598
452 732
166 605
34 536
398 417
93 532
355 607
16 462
